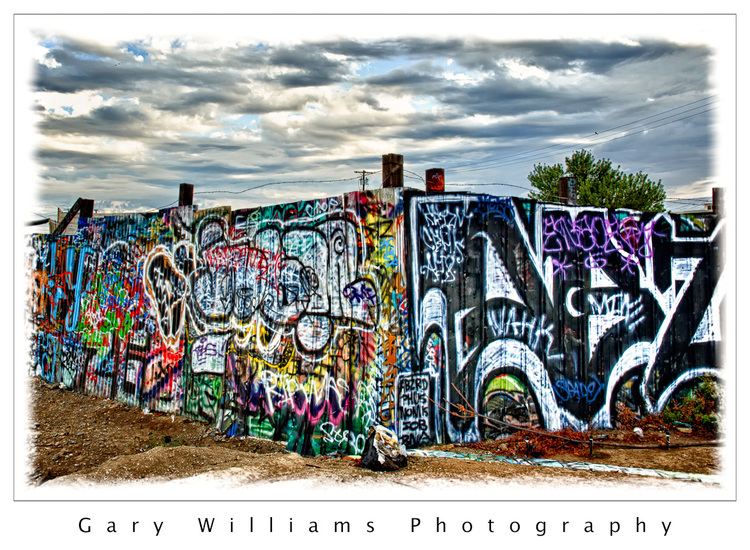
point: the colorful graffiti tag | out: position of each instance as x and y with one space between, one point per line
283 321
294 322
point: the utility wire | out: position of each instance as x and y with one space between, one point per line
491 184
563 147
688 202
410 172
685 200
599 133
688 199
231 192
566 146
165 206
497 183
479 165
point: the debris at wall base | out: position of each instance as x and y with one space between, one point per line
383 452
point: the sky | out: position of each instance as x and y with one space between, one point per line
125 119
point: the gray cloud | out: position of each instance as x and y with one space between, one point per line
110 121
406 78
593 57
310 110
508 97
52 157
552 55
197 146
196 99
87 67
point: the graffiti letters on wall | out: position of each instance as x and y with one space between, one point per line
293 321
95 328
284 321
549 316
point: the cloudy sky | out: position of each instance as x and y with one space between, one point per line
125 120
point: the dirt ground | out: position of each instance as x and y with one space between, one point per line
98 440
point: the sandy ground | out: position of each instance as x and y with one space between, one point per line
79 438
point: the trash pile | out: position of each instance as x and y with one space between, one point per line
383 452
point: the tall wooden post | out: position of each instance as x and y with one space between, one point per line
393 170
717 200
87 208
186 194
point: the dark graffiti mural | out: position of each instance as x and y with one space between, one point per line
540 315
294 321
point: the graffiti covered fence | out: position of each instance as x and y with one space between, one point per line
308 322
283 321
548 316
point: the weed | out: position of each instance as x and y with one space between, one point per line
699 406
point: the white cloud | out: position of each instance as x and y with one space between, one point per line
95 145
696 189
82 103
516 69
466 78
41 53
573 75
246 135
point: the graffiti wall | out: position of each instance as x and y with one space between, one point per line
287 322
96 328
551 316
308 322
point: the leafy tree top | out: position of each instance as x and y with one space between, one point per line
598 184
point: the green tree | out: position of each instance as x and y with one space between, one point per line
598 183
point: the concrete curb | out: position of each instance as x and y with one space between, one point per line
584 466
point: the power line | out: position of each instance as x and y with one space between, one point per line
410 172
163 207
491 162
230 192
491 184
693 204
566 146
661 113
592 144
598 133
688 199
685 200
